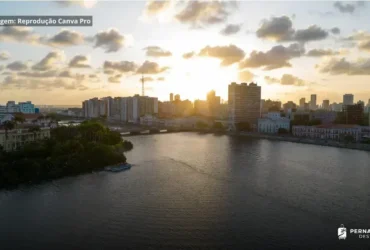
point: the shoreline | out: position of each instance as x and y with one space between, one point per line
327 143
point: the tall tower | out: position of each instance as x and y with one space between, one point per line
142 85
171 97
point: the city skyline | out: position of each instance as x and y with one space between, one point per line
182 47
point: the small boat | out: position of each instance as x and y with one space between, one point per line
118 168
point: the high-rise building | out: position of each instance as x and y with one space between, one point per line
353 114
171 97
347 99
302 102
214 103
244 103
325 104
313 100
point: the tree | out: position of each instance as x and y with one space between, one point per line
8 125
34 130
282 131
19 118
218 125
243 126
347 138
201 125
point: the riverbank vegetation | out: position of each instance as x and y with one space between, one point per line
69 151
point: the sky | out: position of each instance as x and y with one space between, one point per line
292 49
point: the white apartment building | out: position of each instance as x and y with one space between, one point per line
272 122
332 132
17 138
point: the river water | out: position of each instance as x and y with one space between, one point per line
199 191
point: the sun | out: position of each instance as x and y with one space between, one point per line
89 3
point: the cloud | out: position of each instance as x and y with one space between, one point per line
271 80
362 38
276 28
245 76
115 78
37 74
154 7
19 34
227 54
348 7
161 79
17 66
335 30
336 66
123 67
4 55
28 81
49 61
155 51
2 67
111 40
286 79
151 68
202 13
312 33
276 57
322 52
231 29
79 61
281 29
148 79
188 55
66 38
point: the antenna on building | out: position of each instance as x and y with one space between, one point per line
142 85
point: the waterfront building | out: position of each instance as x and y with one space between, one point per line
347 99
18 137
272 122
244 103
332 132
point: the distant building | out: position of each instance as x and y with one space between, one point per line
26 107
325 116
244 103
214 103
337 107
269 105
201 108
353 114
272 122
313 104
171 97
18 137
21 107
325 104
177 97
302 103
332 132
347 99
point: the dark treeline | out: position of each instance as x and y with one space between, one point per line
70 151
